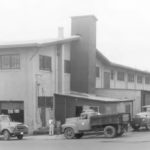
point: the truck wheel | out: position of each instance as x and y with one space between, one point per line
69 133
6 135
19 137
110 131
79 135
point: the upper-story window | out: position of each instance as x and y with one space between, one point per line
147 80
139 79
112 74
9 61
67 66
97 72
120 76
45 63
130 77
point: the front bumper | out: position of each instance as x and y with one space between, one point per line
139 122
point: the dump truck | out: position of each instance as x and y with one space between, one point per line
111 125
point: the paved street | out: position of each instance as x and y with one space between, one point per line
132 140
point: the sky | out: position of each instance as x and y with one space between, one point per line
123 26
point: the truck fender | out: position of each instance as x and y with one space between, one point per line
64 126
5 130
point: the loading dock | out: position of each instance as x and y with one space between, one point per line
71 105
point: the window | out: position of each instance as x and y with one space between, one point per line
130 77
97 72
67 66
147 80
112 74
139 79
120 76
10 61
45 63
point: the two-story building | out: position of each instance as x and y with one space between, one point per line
31 72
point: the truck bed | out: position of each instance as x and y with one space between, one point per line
110 119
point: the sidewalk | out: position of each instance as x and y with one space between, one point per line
44 137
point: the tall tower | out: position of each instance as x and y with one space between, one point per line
83 54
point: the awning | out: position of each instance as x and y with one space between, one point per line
94 97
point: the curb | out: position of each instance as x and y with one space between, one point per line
44 137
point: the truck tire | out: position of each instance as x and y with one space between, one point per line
19 137
110 131
69 133
79 135
6 135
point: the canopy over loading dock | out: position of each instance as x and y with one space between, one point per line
72 104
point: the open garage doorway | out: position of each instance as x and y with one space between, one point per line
15 109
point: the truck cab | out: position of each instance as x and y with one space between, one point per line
83 122
9 128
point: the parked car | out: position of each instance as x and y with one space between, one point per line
142 119
112 124
9 128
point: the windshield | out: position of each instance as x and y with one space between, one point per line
4 118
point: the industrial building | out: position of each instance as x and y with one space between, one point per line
31 73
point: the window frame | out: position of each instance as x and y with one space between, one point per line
119 78
11 63
140 81
67 66
147 79
97 72
131 77
112 73
45 63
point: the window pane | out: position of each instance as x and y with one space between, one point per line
67 66
147 80
15 62
45 63
5 62
139 79
120 76
112 74
97 72
131 77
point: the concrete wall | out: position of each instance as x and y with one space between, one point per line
123 94
18 84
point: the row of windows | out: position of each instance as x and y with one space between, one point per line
131 77
12 61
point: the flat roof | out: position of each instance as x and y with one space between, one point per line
84 16
94 97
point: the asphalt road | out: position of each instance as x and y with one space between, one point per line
130 141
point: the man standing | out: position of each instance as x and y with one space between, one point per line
51 127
